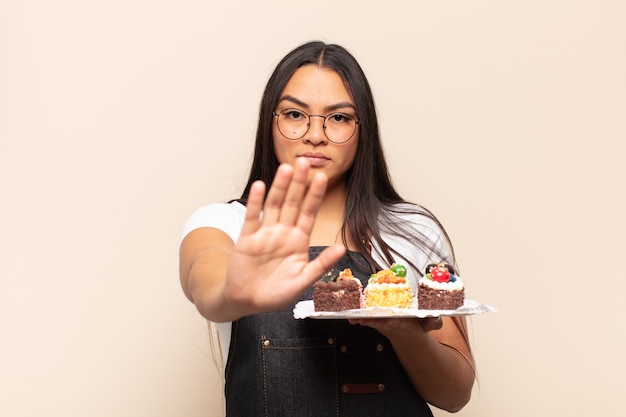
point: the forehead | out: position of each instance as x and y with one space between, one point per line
317 87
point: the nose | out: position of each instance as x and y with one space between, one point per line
315 134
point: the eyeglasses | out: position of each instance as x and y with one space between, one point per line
293 124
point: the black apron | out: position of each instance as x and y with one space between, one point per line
282 367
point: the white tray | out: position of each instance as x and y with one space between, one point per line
305 309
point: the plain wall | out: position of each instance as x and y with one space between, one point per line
118 118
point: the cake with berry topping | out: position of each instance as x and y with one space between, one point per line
337 291
389 288
440 288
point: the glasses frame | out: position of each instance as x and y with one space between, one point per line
308 125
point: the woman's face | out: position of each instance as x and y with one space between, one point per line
317 91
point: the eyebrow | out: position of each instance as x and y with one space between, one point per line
330 108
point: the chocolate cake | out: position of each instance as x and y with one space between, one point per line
440 288
337 291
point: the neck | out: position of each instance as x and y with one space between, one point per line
329 221
334 201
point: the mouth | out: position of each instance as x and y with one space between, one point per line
315 159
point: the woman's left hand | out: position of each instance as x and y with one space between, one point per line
392 327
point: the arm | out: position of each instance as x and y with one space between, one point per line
268 267
435 355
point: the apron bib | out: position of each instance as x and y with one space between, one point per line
282 367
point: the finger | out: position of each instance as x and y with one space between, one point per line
324 262
379 324
312 201
432 323
437 323
276 194
295 193
253 208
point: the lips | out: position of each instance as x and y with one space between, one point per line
315 159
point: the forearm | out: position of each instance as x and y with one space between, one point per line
206 290
440 373
203 271
227 282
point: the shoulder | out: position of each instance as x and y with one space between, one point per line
228 217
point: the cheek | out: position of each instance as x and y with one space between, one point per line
281 147
351 153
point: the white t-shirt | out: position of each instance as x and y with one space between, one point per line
229 218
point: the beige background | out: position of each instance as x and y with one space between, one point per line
118 118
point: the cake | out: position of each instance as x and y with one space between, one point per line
389 288
440 288
337 291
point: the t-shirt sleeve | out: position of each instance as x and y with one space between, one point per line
227 217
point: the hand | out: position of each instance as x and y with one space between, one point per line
269 267
401 327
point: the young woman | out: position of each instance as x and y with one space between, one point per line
245 264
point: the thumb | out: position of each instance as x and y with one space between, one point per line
432 323
325 261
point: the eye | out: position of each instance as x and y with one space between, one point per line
293 114
340 118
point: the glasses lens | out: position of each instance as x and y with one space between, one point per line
293 123
339 127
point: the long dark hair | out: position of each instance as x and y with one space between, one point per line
371 200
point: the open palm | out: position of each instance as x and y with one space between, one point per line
269 267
